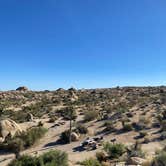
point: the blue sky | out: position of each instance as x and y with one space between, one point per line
47 44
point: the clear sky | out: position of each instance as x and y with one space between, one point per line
47 44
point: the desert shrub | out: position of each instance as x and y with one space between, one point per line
52 119
114 150
90 115
101 156
81 129
109 126
107 109
38 110
164 149
65 136
69 113
163 135
17 116
125 120
14 145
51 158
146 140
163 125
54 158
40 124
32 135
127 127
122 108
144 113
129 114
24 161
138 126
90 162
142 124
159 117
155 123
162 120
142 134
24 140
135 151
160 159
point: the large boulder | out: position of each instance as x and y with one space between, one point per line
9 126
60 90
74 136
22 88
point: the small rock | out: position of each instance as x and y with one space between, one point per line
136 161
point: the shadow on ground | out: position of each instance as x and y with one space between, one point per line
78 149
55 143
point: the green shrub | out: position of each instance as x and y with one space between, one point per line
142 134
163 125
160 159
38 110
90 162
69 113
81 129
142 124
52 119
24 140
32 135
24 161
101 156
54 158
159 117
90 115
127 127
114 150
122 108
109 126
51 158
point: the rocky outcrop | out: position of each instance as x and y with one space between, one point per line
22 88
9 126
60 90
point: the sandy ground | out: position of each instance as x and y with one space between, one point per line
48 142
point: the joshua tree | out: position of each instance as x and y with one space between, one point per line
71 111
72 117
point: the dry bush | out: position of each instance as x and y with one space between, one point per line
90 115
